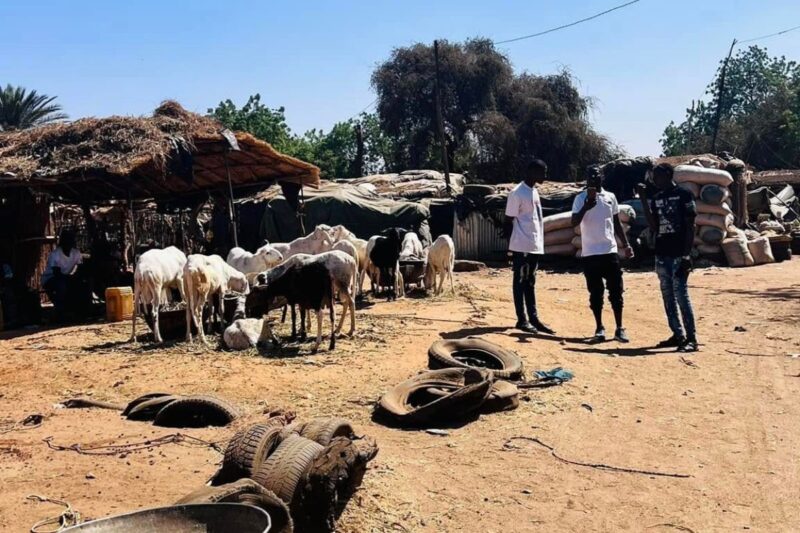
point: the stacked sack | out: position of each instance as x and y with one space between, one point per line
560 238
711 190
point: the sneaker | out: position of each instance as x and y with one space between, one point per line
543 328
621 336
690 345
599 335
673 342
527 327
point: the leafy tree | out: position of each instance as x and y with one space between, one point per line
257 119
759 110
493 118
22 109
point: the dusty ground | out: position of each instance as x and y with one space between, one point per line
727 417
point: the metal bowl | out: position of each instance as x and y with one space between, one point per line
205 518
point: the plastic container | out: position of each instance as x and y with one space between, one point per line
119 304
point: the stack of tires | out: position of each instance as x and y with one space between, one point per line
562 239
711 190
467 377
301 474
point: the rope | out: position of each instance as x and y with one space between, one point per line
69 517
599 466
116 449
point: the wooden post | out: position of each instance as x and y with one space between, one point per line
440 119
231 206
720 98
132 214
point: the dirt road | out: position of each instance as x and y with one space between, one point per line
727 417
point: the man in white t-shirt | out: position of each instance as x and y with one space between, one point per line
597 213
61 265
526 244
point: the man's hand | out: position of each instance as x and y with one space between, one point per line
641 188
591 201
685 266
628 252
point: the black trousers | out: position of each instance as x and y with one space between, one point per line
601 272
524 284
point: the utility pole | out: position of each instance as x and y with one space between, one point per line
439 120
720 98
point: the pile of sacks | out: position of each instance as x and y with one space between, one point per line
710 188
301 474
560 238
716 232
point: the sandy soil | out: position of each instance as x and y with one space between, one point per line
727 417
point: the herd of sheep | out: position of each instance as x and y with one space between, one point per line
308 274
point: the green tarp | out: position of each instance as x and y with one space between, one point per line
361 212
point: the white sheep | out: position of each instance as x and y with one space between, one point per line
243 334
205 277
339 234
263 259
315 243
348 248
156 272
441 259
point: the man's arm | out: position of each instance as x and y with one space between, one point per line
580 207
508 226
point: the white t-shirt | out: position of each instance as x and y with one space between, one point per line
66 263
597 226
525 206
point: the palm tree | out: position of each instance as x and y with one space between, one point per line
21 109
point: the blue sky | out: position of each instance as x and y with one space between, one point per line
643 64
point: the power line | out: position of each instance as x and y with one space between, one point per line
770 35
551 30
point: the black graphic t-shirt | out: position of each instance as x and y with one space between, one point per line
671 208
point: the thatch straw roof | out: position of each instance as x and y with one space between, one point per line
175 154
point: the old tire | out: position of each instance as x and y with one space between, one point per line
323 429
246 451
503 397
475 353
411 403
141 399
284 469
196 412
147 410
295 428
248 492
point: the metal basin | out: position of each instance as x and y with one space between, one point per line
199 518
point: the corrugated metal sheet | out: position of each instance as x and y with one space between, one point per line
476 237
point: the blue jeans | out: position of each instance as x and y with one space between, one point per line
525 266
675 291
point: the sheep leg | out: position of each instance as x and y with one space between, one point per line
450 275
199 305
332 343
319 329
442 276
156 330
189 319
294 321
136 302
352 302
283 316
303 331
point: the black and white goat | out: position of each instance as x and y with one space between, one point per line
309 286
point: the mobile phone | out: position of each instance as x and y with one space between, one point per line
591 191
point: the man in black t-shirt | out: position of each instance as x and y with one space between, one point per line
670 214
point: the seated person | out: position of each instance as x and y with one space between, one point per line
57 276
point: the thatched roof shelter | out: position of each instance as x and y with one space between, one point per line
175 155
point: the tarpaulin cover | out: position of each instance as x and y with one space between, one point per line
360 212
